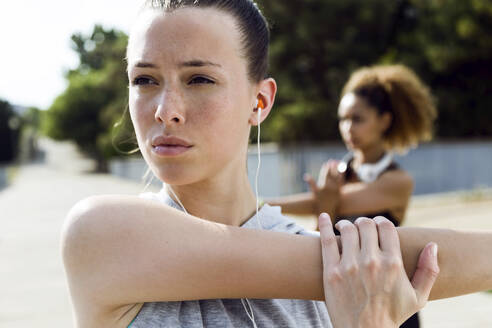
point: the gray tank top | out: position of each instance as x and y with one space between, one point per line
230 313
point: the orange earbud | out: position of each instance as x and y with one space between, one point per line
260 104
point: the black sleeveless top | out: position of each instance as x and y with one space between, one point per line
350 175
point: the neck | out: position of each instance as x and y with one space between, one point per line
225 198
369 155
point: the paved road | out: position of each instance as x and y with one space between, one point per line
33 292
32 284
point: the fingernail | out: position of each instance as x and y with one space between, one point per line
434 250
379 219
341 224
360 219
324 216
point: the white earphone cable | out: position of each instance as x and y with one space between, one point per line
258 171
244 301
250 313
177 199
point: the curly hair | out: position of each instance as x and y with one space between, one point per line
398 90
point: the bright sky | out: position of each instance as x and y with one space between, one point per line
35 43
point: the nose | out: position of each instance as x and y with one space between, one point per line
170 108
350 127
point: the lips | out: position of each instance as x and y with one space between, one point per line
170 146
169 141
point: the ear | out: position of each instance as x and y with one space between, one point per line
267 89
386 121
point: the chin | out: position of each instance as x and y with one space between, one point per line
171 177
174 175
350 145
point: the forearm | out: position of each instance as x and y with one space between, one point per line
465 265
298 204
464 261
327 202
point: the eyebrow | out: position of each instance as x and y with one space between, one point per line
190 63
144 65
198 63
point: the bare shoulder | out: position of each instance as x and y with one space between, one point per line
92 219
98 227
92 209
396 181
96 245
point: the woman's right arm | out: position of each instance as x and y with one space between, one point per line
121 250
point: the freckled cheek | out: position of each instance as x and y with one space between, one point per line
141 115
211 118
218 125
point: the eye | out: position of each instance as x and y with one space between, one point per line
357 119
201 80
142 80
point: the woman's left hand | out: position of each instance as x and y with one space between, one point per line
365 284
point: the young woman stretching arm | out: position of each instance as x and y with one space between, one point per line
193 99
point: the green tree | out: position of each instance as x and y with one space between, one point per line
451 45
95 98
315 45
